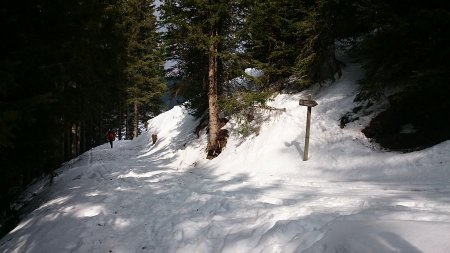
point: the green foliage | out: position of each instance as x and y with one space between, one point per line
60 80
272 39
191 27
144 59
241 101
185 46
404 45
292 38
248 108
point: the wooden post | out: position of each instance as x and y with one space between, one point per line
309 103
308 125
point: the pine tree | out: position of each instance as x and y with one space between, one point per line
272 39
286 38
202 30
317 60
60 73
144 60
403 45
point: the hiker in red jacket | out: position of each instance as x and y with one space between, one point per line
111 137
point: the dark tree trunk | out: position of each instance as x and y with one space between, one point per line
119 134
83 136
77 138
136 121
127 122
69 142
213 98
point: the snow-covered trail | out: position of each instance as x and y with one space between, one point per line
257 196
131 209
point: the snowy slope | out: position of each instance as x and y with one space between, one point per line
257 196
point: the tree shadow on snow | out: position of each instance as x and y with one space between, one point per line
140 205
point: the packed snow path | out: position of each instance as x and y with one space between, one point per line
257 196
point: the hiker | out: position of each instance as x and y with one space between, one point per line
154 138
111 137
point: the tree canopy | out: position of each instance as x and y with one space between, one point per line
67 74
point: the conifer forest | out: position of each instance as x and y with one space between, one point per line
72 70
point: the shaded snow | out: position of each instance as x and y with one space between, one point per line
257 196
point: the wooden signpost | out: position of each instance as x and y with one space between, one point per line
309 103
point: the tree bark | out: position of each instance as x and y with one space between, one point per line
127 124
69 142
66 143
213 96
83 136
73 140
77 138
63 151
120 121
136 121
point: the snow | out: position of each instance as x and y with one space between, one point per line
253 72
257 196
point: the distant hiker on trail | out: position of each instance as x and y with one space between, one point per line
154 136
111 137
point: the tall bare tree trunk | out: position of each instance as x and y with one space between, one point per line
83 136
77 138
69 142
136 121
63 151
120 121
73 141
66 143
127 123
213 97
